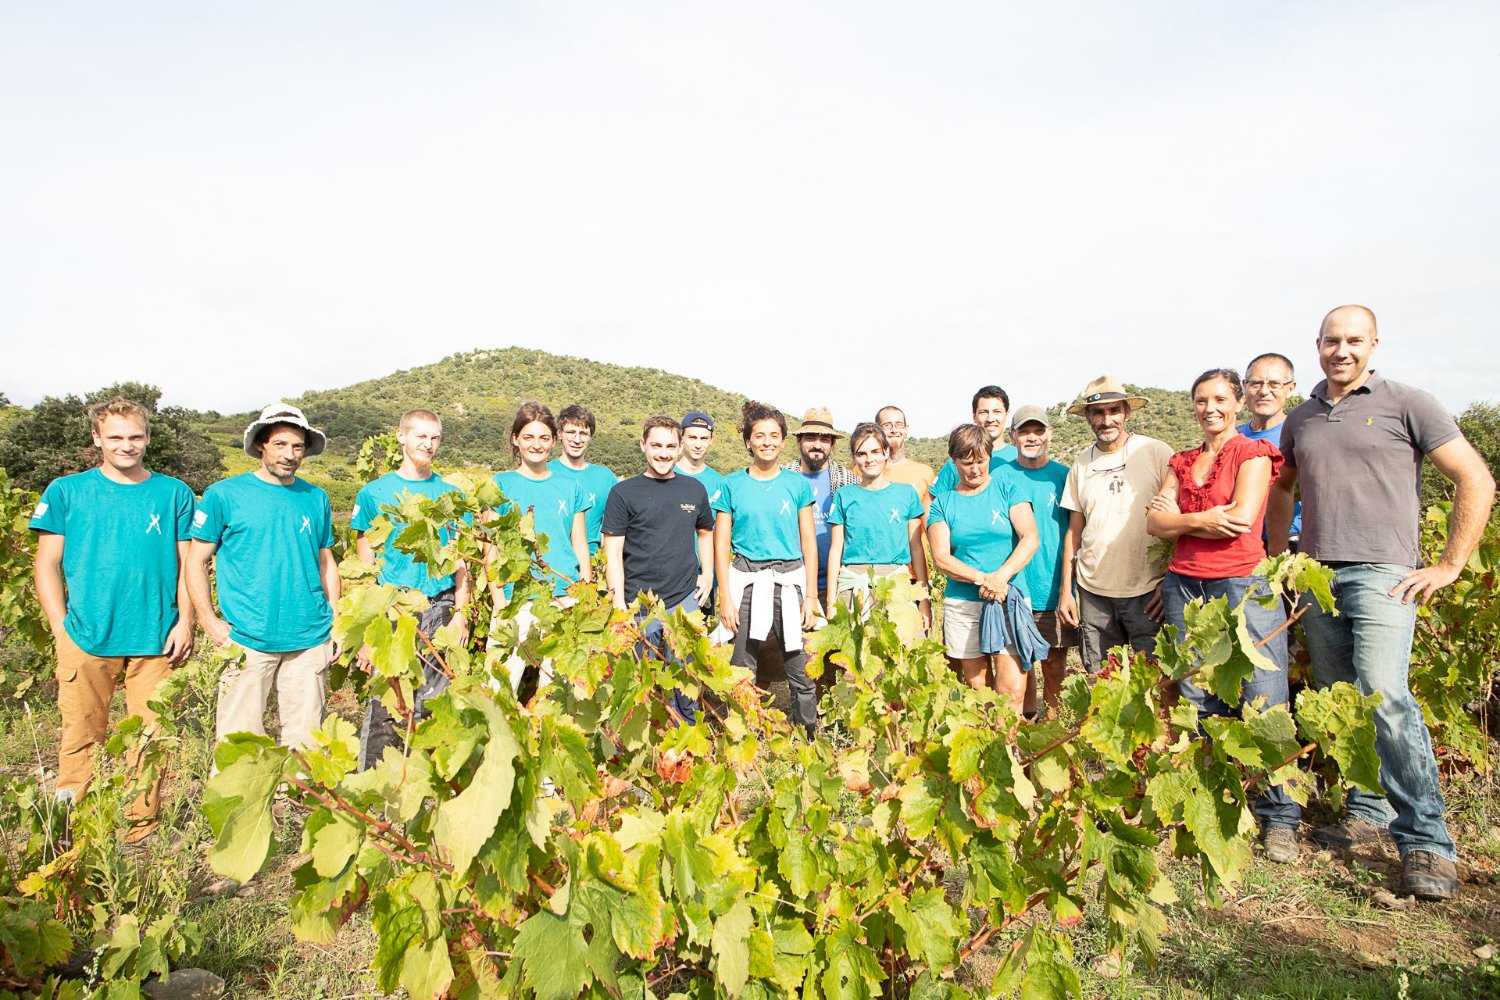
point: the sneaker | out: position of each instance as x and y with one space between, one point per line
1280 843
1351 832
1428 876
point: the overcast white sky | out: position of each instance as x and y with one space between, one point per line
838 203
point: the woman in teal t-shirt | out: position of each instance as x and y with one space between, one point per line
982 534
557 506
875 526
766 558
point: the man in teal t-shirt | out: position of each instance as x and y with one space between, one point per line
991 406
1038 478
576 427
419 435
110 546
270 536
697 438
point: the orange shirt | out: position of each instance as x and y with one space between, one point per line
914 474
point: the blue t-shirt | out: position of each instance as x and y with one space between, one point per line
820 483
947 477
1273 435
979 530
876 523
270 538
399 567
765 513
1043 488
596 482
712 479
119 558
553 503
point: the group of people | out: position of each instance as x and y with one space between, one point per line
1039 556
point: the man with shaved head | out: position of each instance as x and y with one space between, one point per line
1356 446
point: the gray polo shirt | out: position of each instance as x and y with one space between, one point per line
1360 467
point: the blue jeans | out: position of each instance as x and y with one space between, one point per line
1273 807
1369 646
655 633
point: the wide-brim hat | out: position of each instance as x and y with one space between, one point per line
1106 389
817 420
284 413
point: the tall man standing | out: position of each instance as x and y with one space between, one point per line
1109 488
1356 446
658 537
419 435
697 438
1039 479
110 545
815 442
1269 381
576 426
898 468
270 536
991 407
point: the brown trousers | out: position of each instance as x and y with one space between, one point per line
85 686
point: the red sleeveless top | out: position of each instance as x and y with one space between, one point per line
1216 558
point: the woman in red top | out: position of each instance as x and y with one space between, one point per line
1214 505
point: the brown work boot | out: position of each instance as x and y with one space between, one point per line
1351 832
1428 876
1280 844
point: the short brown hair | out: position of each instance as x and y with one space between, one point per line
969 441
118 407
666 423
410 415
576 414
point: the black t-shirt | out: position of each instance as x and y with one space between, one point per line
660 520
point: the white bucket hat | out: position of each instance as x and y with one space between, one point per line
284 413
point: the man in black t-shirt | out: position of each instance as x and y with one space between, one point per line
658 535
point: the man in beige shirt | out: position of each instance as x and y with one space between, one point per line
899 468
1109 488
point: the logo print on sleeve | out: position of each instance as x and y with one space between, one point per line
154 525
41 509
200 517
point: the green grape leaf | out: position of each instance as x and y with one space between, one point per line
237 804
1122 711
731 947
933 930
553 955
468 819
1342 722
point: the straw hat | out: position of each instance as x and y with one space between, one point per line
817 420
1107 389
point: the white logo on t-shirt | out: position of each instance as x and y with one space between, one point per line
895 516
306 528
354 515
41 509
155 524
562 507
593 497
715 496
786 506
199 517
994 517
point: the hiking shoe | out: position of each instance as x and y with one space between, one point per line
1351 832
1428 876
1280 843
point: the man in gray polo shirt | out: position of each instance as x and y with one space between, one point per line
1357 446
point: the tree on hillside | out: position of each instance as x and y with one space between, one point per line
54 439
1481 425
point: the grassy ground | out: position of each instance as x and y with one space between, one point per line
1325 927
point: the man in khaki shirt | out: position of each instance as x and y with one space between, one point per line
1109 488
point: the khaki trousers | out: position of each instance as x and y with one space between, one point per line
85 686
300 679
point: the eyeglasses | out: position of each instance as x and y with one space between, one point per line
893 425
1256 385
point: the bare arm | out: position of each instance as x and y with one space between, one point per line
47 567
614 569
580 540
835 563
729 615
914 535
1067 606
809 565
705 566
200 554
995 585
1279 506
180 640
1474 496
363 548
1165 519
942 555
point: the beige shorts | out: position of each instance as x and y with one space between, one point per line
1059 634
961 629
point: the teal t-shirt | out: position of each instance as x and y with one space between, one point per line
712 480
876 523
1043 489
119 558
947 477
596 482
553 502
765 513
270 538
399 567
979 530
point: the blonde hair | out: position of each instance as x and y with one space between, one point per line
118 407
410 415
